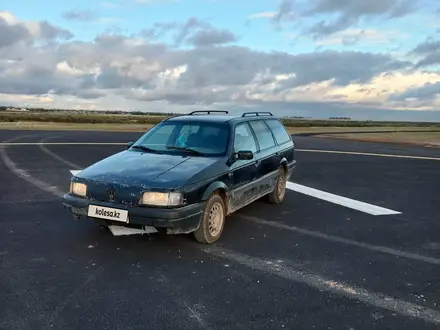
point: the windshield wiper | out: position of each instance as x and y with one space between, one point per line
187 149
144 148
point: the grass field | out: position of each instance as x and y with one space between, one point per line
417 138
51 126
98 118
144 127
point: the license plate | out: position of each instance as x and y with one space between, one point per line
108 213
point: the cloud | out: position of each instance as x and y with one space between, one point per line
80 15
13 31
187 28
285 11
338 15
357 8
427 48
212 37
349 13
267 14
140 70
427 92
429 52
121 71
193 32
10 34
351 37
45 30
87 16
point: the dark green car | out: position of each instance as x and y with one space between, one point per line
187 173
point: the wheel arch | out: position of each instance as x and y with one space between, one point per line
284 164
220 188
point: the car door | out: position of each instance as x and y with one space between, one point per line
243 173
267 157
284 141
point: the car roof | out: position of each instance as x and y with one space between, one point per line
203 118
215 118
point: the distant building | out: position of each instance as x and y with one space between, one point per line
340 118
17 109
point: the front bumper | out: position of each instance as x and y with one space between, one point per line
180 220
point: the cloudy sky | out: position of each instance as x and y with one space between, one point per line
367 59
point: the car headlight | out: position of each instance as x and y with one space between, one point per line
162 199
79 189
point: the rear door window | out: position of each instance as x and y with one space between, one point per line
263 134
243 139
278 130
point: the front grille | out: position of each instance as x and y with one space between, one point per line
113 193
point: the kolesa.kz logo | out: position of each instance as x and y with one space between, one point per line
107 213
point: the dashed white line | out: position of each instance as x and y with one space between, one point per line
273 268
337 239
75 172
340 200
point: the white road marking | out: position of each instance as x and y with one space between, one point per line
344 201
75 172
27 177
337 239
44 148
193 313
273 268
367 154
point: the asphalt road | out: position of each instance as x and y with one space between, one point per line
306 264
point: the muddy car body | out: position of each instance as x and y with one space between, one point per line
187 173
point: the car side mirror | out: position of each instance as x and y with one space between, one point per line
129 144
244 155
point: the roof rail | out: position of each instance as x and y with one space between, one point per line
257 114
208 112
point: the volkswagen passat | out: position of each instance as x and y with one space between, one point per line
187 173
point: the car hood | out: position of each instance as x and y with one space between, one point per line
147 170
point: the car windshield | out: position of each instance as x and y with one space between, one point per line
196 138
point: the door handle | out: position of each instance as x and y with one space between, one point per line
257 163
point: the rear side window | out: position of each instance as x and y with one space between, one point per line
279 131
244 140
263 134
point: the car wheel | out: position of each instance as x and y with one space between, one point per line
213 221
279 191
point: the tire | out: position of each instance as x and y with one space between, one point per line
279 192
209 232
